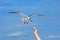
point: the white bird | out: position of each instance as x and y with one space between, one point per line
25 18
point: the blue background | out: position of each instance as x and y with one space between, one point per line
48 25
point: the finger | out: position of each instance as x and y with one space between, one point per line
34 28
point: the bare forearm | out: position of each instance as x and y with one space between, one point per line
37 36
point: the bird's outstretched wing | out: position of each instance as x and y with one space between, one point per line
35 15
23 15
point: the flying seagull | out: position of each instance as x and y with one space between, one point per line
25 18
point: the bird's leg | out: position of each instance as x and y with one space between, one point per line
31 20
24 22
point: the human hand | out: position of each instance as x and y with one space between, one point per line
35 30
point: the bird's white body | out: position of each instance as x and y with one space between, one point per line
25 18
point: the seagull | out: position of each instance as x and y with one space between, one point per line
25 18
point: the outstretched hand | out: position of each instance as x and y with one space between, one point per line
36 34
35 30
